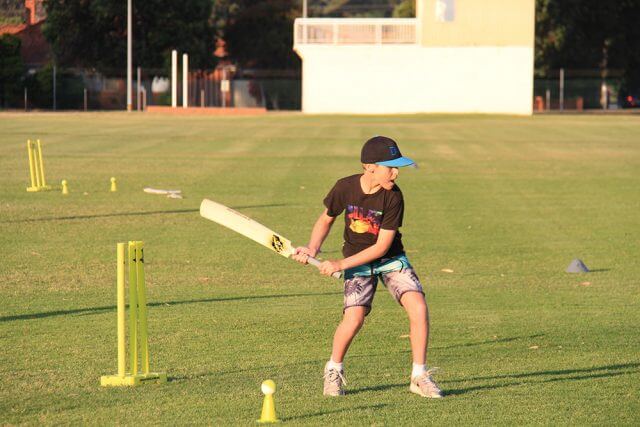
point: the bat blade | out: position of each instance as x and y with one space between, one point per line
250 229
246 226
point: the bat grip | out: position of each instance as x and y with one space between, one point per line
316 263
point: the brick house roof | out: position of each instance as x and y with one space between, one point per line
34 49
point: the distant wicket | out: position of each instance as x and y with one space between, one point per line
36 167
137 321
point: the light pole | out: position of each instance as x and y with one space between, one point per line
129 106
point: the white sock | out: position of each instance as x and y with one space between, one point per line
334 365
418 370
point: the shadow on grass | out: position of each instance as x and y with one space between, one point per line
556 376
103 309
335 411
119 214
380 387
307 364
495 341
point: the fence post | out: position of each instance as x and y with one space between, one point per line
548 99
129 53
561 106
185 80
224 87
604 95
54 88
174 78
85 99
138 91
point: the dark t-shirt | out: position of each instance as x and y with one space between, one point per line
366 214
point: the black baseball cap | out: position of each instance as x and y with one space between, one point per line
383 151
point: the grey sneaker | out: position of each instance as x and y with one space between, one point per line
333 382
425 386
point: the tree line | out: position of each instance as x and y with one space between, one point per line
91 34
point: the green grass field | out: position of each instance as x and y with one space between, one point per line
504 202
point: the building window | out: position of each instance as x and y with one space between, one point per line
445 10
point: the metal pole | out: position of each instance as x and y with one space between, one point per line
305 14
223 92
138 91
561 89
548 100
129 55
174 78
603 95
26 103
85 99
54 88
185 80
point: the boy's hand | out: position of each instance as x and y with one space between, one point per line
302 254
329 267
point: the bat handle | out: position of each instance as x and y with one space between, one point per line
316 263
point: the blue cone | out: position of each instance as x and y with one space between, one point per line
577 266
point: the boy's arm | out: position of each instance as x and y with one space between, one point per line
319 232
382 245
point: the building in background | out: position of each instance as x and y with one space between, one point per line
456 56
24 20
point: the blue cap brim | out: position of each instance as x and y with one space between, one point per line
397 163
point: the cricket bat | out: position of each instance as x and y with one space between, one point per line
251 229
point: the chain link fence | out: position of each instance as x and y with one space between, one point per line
54 88
577 90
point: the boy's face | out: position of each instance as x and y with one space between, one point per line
385 176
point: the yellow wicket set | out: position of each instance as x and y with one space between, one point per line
36 167
137 322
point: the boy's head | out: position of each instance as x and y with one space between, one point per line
381 159
383 151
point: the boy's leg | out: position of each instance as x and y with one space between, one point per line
418 313
405 286
347 329
358 296
352 321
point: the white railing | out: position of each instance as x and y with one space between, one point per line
345 31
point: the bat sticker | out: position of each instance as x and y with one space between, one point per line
277 244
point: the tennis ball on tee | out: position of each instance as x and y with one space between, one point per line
268 387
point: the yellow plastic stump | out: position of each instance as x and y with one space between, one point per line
132 380
36 167
137 322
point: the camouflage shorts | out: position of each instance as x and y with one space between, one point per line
397 275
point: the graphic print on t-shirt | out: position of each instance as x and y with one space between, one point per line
361 222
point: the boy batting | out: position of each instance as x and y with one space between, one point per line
373 209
